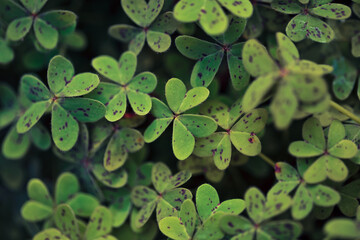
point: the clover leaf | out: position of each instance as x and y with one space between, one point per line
155 32
168 198
186 126
240 131
66 110
134 88
260 211
328 152
46 26
7 54
209 55
306 195
68 227
41 205
343 227
201 222
209 13
298 84
306 24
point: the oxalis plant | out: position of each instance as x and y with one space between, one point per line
126 146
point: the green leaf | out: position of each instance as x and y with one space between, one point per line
144 214
237 225
205 69
303 203
142 195
342 228
309 89
175 92
207 199
9 105
59 19
287 7
19 28
257 90
32 116
84 204
160 110
285 172
205 147
284 229
188 216
319 31
115 179
239 76
160 176
287 51
7 54
232 206
324 196
326 166
83 109
332 11
276 206
174 228
37 191
141 12
243 9
15 145
120 206
137 44
80 85
336 133
156 128
65 220
255 204
304 149
210 228
11 10
246 143
178 179
33 6
34 88
67 185
34 211
355 45
344 149
312 132
64 128
144 82
127 67
222 156
195 48
199 126
193 98
212 18
140 102
257 60
188 10
165 209
165 23
183 142
108 67
309 67
40 137
158 41
100 223
252 122
45 33
50 234
60 73
218 111
124 32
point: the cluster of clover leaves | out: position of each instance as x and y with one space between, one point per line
100 136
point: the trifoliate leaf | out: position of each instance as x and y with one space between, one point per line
174 228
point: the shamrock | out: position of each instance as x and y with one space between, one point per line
41 205
135 89
240 130
47 26
299 83
186 126
157 33
92 162
211 16
170 196
260 210
16 145
202 222
305 25
306 195
70 228
66 110
209 56
343 228
328 163
7 54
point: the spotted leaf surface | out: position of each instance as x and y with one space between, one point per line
160 110
83 204
304 149
156 128
83 109
99 224
207 200
174 228
255 204
344 149
115 153
141 195
141 12
175 92
222 153
19 28
45 33
67 185
212 18
34 88
60 73
123 32
183 141
232 206
323 195
160 176
287 51
65 220
288 7
32 116
188 216
252 122
199 126
246 143
193 98
282 229
216 110
312 132
306 26
303 203
33 6
165 209
237 225
195 48
116 179
144 82
80 85
50 234
188 10
176 197
158 41
239 76
15 145
206 147
140 102
332 11
144 214
210 228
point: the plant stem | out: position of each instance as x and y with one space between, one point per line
345 111
267 159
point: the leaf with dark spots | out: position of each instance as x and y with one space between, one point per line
140 102
199 126
239 76
231 206
234 31
50 234
45 33
139 175
127 67
124 32
193 98
137 43
11 10
142 217
34 88
246 143
84 204
188 10
210 228
32 116
156 128
303 203
218 111
324 196
160 110
252 122
80 85
238 226
108 67
188 216
144 82
60 73
213 19
141 12
176 197
195 48
207 200
141 195
255 204
206 147
19 28
116 179
65 220
283 229
287 7
158 41
183 141
332 11
100 223
165 209
83 109
165 23
205 69
60 19
64 128
304 149
178 179
174 228
287 51
222 153
15 145
160 176
120 205
240 8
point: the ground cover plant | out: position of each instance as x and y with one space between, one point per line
180 119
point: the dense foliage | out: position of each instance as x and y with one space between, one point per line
238 119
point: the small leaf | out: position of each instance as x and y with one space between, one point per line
80 85
195 48
158 41
304 149
193 98
336 133
37 191
160 110
142 16
303 203
140 102
207 200
34 88
99 224
67 185
156 128
175 92
177 196
60 19
50 234
120 206
144 82
64 128
188 10
174 228
210 228
107 66
237 225
232 206
243 9
65 220
342 228
255 204
127 67
32 116
218 111
137 44
183 142
239 76
15 145
33 6
124 32
188 216
83 109
19 28
312 132
84 204
165 209
344 149
212 18
282 229
45 33
34 211
165 23
332 11
246 143
144 214
287 7
141 195
160 176
60 73
324 196
115 179
222 154
116 107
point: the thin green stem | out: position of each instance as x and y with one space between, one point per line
345 111
267 159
